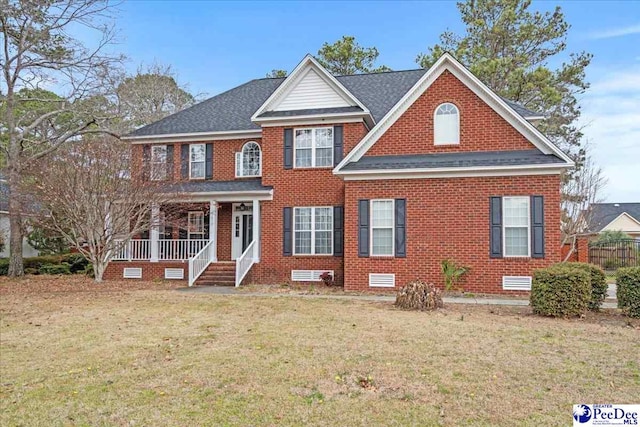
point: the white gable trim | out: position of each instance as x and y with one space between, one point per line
622 215
309 62
448 62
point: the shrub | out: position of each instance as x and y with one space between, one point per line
77 262
54 269
452 273
33 271
4 266
88 270
598 282
327 278
418 295
560 291
628 283
38 261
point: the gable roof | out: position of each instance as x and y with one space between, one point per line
231 111
602 214
449 63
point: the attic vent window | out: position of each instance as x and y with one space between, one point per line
446 125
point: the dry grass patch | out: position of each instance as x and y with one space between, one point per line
160 357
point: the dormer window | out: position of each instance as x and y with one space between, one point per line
249 160
446 125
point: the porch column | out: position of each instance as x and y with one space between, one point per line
213 229
256 229
154 233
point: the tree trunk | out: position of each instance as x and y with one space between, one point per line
98 271
16 266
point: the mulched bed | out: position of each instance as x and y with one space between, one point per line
77 283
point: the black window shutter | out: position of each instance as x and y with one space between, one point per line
288 148
146 162
338 231
184 161
537 227
495 222
401 228
208 166
287 236
363 228
337 145
170 162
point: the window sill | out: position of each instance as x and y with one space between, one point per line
382 256
248 176
456 144
312 168
315 256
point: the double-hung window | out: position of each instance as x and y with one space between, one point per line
313 231
382 227
158 162
196 161
313 147
196 225
516 225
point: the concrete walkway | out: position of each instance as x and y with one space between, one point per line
227 290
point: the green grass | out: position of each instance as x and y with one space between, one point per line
160 357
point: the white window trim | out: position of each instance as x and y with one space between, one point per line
192 214
504 228
313 147
313 230
393 228
204 169
154 176
435 113
241 153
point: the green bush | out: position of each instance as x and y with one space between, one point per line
598 282
55 269
560 291
31 271
38 261
88 270
628 283
77 262
4 266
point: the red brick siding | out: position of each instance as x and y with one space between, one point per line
296 187
481 128
150 270
224 159
449 218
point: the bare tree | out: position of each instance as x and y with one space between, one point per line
580 192
39 52
88 197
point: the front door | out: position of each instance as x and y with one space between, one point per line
241 229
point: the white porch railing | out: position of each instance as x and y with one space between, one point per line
168 250
200 262
132 250
245 261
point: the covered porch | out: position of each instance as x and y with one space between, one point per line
199 233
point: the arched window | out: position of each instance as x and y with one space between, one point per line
249 160
446 124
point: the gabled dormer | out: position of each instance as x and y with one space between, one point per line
310 94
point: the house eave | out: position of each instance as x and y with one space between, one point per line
316 119
449 172
195 136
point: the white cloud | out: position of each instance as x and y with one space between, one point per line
615 32
611 116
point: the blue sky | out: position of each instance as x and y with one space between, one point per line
214 46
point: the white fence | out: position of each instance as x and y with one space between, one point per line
199 263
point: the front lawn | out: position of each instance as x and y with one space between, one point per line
155 356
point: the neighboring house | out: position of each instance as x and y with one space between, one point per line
27 249
614 216
375 178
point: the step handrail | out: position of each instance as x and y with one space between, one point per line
199 263
245 262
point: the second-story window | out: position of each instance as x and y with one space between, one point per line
196 161
313 147
158 162
446 124
249 160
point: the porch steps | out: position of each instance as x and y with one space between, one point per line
221 273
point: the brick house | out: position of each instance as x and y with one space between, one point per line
375 178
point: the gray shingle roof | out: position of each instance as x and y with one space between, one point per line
232 110
219 186
453 160
603 213
524 112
